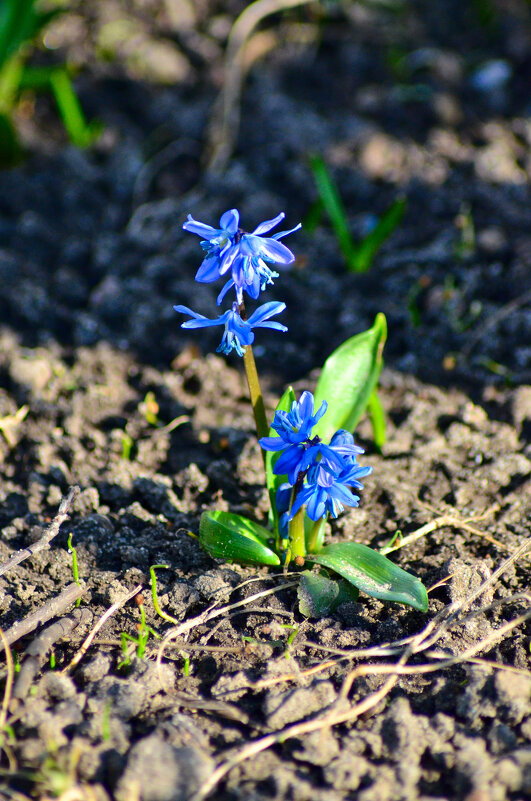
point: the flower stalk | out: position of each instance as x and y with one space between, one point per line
316 538
255 391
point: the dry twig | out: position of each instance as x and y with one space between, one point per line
52 608
52 531
101 622
340 713
226 117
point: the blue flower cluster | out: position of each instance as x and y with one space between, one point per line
245 257
323 475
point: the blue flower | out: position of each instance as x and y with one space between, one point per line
230 248
249 271
218 243
295 426
323 500
326 492
238 333
301 452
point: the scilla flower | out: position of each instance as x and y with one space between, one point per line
327 492
218 244
238 333
301 451
246 255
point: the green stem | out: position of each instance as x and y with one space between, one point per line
257 400
296 534
315 540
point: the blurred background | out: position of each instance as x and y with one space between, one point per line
397 131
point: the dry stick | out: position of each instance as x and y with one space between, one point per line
52 608
211 613
225 122
38 649
340 715
101 622
51 532
5 703
441 522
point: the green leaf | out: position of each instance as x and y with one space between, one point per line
333 204
273 482
368 247
348 379
20 22
319 595
80 134
236 539
377 415
373 573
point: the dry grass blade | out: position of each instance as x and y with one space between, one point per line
226 117
101 622
4 709
447 520
342 711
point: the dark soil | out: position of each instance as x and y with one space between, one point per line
92 258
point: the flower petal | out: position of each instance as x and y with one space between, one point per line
228 258
208 271
230 221
224 291
267 225
272 443
186 310
199 228
272 250
273 324
285 233
265 311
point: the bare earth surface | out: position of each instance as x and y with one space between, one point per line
155 429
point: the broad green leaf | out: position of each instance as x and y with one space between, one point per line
235 538
317 594
348 379
320 595
368 247
273 482
373 573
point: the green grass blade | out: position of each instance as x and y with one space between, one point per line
364 255
333 205
79 132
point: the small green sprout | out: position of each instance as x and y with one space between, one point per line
294 630
155 596
358 256
75 569
127 446
21 25
466 245
149 408
10 423
144 633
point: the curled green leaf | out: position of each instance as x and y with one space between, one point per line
235 538
348 379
